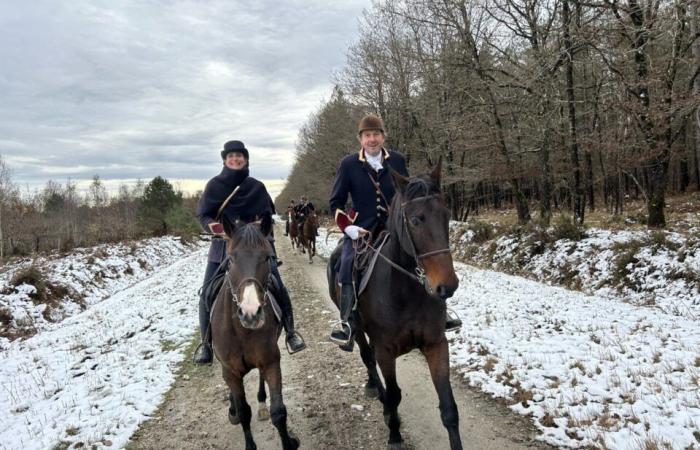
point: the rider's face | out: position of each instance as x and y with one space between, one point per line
235 161
372 141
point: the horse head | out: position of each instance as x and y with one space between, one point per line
249 270
419 219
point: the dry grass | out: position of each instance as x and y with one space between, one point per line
522 396
490 364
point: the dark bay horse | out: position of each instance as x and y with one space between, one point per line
307 238
403 307
244 330
294 232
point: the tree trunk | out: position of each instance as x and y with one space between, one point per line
576 191
694 30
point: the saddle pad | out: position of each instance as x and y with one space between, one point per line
370 267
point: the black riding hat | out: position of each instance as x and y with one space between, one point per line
234 146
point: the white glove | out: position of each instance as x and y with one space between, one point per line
354 232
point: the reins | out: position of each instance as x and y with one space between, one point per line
363 244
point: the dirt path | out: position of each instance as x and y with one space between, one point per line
323 392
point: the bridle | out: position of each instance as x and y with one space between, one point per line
235 297
419 274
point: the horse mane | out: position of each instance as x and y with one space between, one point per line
419 186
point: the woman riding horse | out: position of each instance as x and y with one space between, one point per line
244 198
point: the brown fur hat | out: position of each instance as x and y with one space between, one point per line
370 122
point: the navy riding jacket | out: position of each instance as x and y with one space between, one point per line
353 178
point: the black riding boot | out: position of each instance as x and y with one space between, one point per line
203 354
295 343
452 321
342 334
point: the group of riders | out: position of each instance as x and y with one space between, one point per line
233 194
297 214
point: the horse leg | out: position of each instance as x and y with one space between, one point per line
391 399
235 384
439 363
263 413
278 412
310 254
374 387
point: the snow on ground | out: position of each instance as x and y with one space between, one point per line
650 268
591 371
89 275
98 374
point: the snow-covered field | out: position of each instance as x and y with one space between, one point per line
95 376
83 278
591 371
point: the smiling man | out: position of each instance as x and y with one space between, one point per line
365 177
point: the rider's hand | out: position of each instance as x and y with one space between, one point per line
217 229
354 232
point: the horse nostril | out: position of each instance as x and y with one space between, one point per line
444 292
240 312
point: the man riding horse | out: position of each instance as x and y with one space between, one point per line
365 177
302 211
243 198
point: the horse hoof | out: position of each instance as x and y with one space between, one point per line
371 391
233 418
263 414
294 441
395 446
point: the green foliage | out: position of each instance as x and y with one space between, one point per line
181 222
159 198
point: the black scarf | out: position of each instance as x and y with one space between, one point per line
251 200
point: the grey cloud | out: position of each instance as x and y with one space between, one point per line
133 89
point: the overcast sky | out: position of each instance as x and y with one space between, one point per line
133 89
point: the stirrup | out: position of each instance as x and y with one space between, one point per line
289 349
196 350
339 326
451 316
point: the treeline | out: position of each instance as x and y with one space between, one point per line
59 218
537 104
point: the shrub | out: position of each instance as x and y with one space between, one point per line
566 227
483 231
33 276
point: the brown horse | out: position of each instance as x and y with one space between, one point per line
403 306
307 238
244 330
293 231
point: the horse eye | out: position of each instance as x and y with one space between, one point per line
416 221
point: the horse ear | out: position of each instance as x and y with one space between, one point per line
435 174
266 224
229 227
399 180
